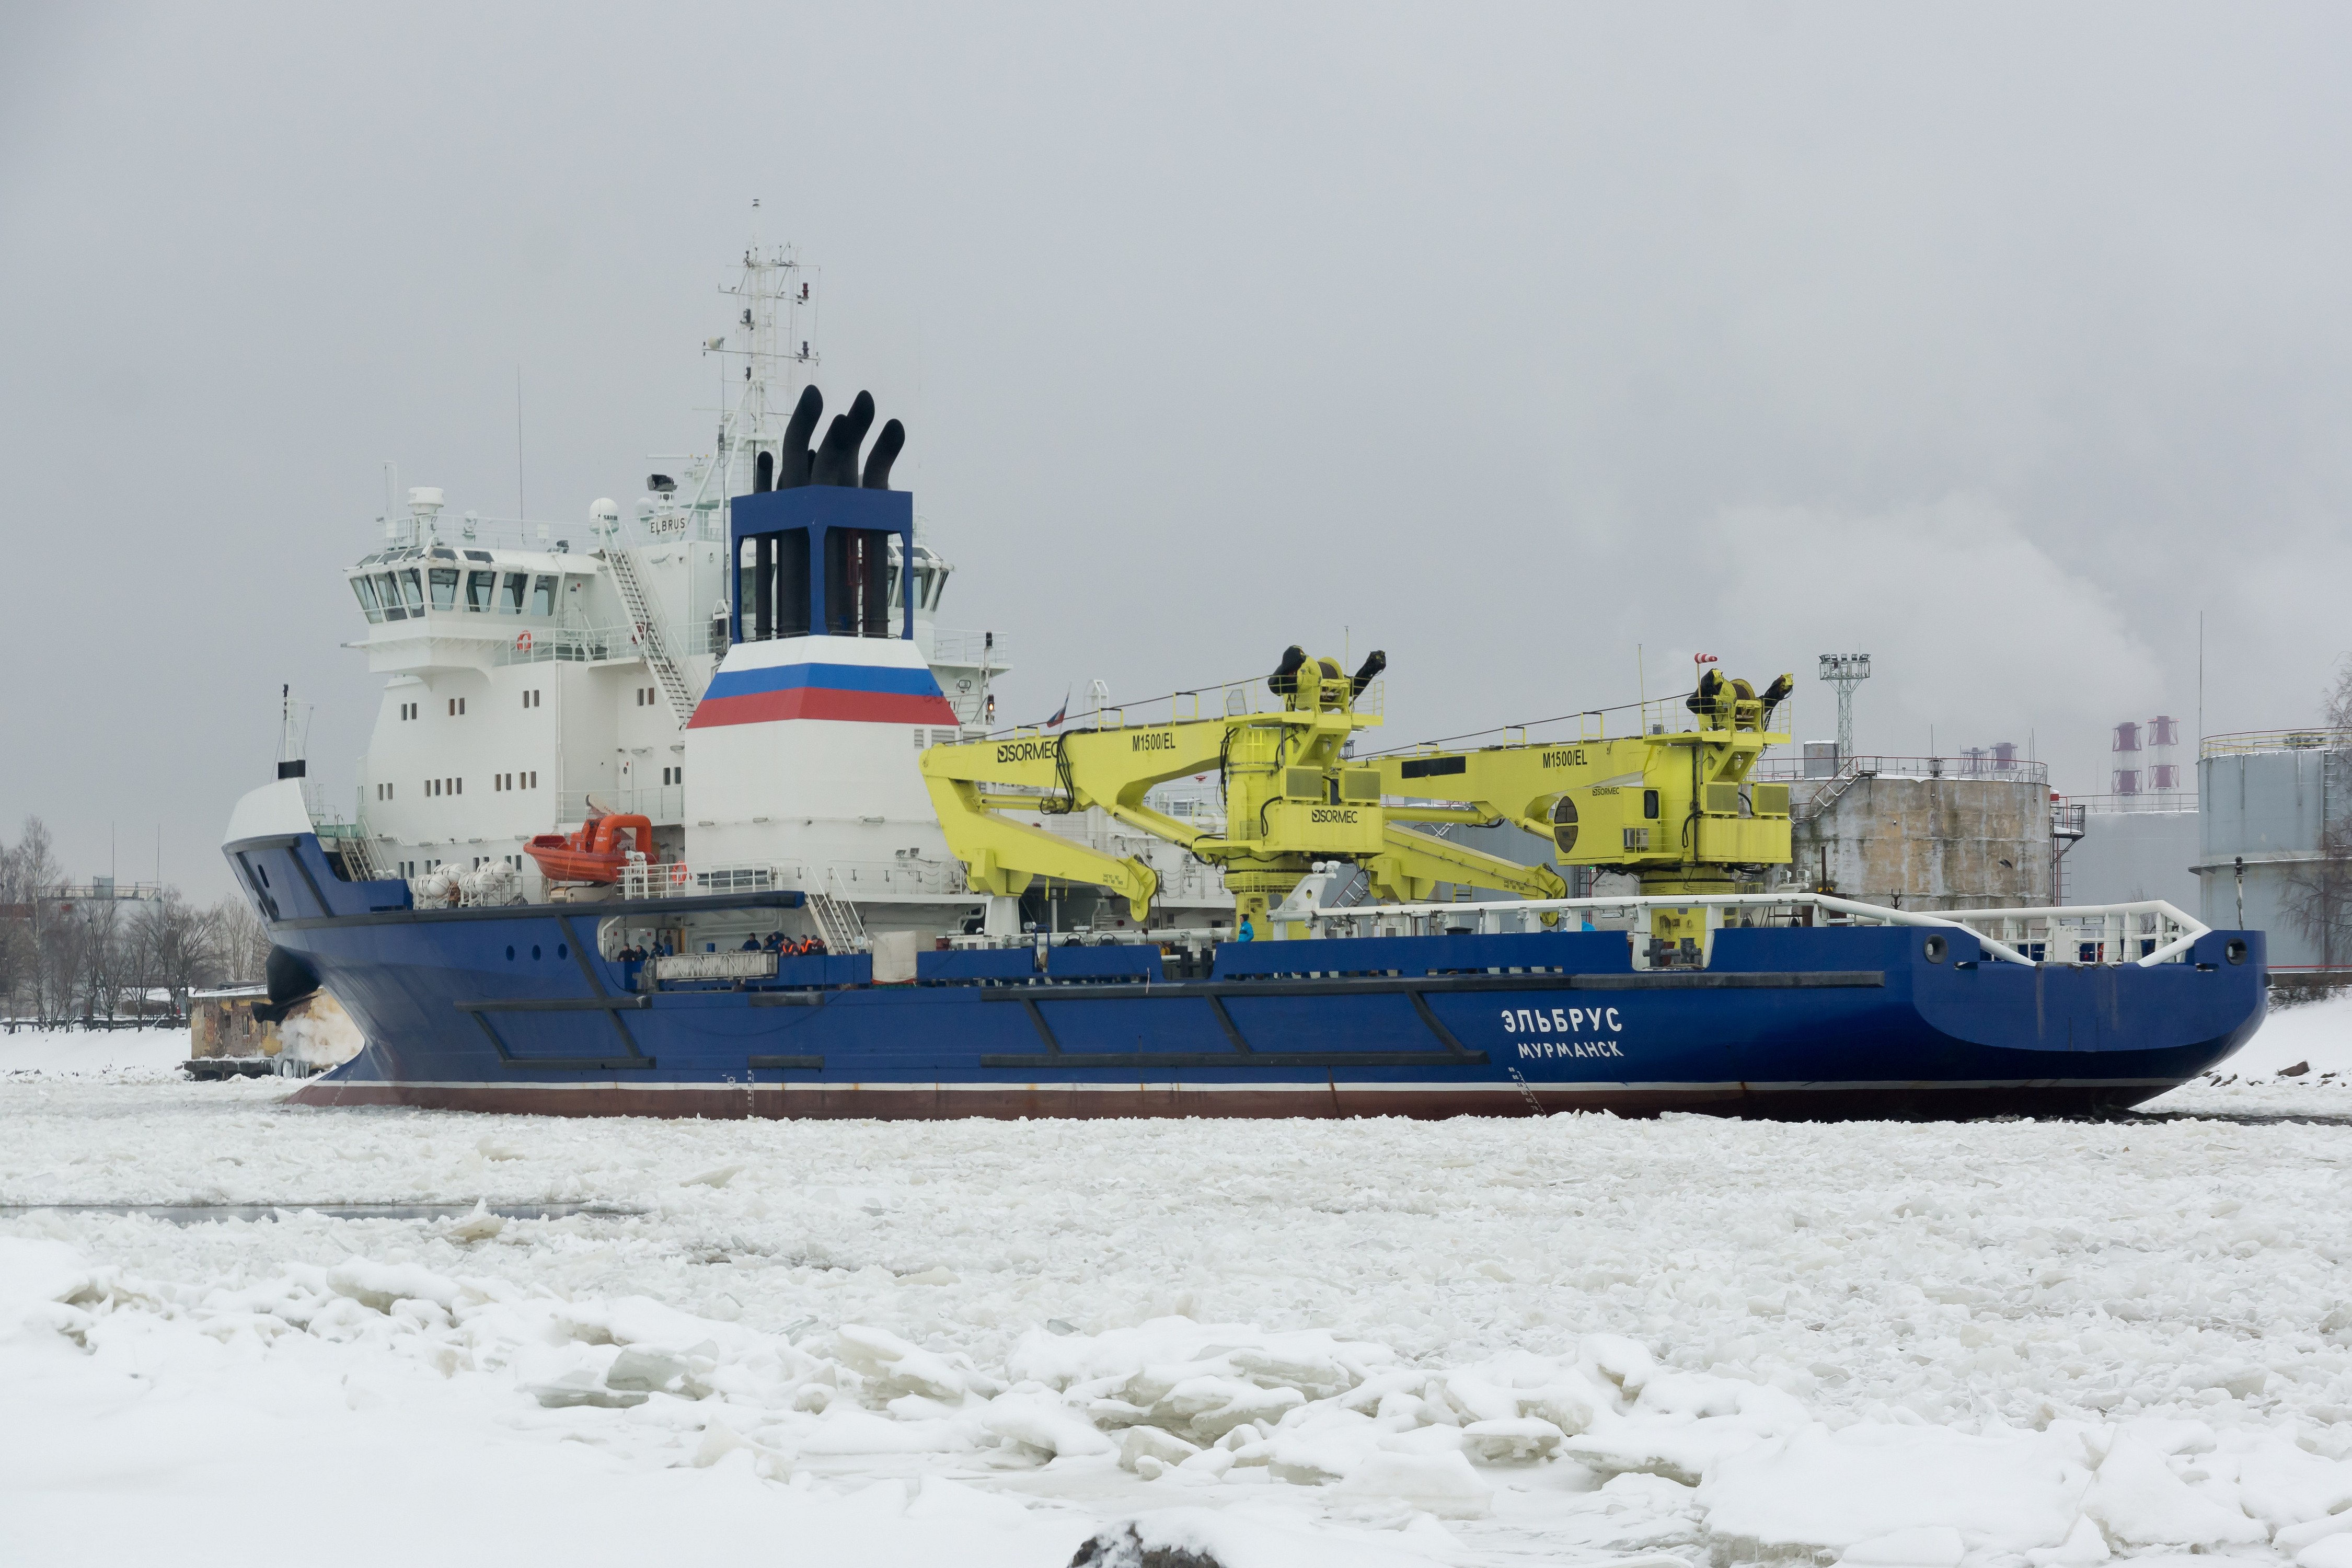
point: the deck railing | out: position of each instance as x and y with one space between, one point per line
662 804
2246 742
1825 770
2146 933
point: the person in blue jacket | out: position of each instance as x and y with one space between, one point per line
1248 932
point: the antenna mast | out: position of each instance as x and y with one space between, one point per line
773 335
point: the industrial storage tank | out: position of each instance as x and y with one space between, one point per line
2275 853
1922 833
2133 846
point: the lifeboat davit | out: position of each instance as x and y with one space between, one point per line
594 854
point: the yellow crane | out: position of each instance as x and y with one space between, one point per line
1673 809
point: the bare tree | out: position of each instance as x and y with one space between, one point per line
2318 891
43 955
2319 895
177 946
241 942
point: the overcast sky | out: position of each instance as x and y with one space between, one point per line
1996 342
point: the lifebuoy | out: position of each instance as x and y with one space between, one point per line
679 874
522 643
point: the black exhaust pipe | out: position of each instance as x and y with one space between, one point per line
836 461
887 446
1373 664
799 461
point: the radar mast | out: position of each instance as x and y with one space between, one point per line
772 338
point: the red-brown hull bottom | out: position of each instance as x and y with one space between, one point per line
897 1103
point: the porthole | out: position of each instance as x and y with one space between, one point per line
534 951
2235 952
1934 948
562 951
510 955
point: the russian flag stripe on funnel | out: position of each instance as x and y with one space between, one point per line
860 694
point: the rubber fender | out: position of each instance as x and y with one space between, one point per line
887 446
836 461
798 462
290 976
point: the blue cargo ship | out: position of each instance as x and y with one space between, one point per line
616 796
527 1008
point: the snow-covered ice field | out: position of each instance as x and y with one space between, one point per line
1997 1345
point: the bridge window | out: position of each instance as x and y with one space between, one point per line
365 588
543 597
510 603
387 595
445 587
411 592
481 589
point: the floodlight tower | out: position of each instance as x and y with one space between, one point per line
1846 671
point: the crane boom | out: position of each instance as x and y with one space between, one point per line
1673 809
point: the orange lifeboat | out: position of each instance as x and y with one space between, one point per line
594 854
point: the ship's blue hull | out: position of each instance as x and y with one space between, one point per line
512 1009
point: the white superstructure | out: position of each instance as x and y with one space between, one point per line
539 674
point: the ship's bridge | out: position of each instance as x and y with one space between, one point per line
434 605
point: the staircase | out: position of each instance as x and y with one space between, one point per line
1826 796
671 679
836 916
359 860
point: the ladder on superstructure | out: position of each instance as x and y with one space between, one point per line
836 916
650 642
360 860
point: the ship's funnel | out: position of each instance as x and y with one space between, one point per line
836 461
886 447
798 461
1375 662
